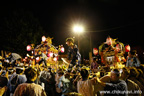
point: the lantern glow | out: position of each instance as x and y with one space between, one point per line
55 59
43 38
95 51
28 48
127 48
62 49
37 58
50 54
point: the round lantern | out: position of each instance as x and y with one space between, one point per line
50 54
37 59
28 48
62 49
95 51
43 38
127 48
55 58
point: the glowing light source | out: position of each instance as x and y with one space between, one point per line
27 55
28 48
62 49
50 54
37 59
127 48
78 29
55 58
43 38
95 51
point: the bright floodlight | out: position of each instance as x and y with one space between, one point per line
78 29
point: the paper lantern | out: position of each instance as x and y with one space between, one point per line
43 38
50 54
55 58
95 51
37 59
127 48
28 48
62 49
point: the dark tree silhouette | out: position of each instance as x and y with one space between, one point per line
19 29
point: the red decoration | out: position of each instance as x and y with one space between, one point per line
28 48
117 48
62 49
50 54
127 48
109 41
95 51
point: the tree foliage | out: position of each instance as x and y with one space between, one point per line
19 29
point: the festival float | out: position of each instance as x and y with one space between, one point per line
112 53
46 47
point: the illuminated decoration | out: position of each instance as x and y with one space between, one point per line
55 58
62 49
26 57
37 59
117 47
50 54
109 41
47 48
28 48
32 52
95 51
127 48
112 52
43 38
24 60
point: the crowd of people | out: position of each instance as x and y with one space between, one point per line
76 80
79 81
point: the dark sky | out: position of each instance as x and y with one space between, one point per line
122 19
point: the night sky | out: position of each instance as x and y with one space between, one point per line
122 19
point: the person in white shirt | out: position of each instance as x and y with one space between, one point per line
85 85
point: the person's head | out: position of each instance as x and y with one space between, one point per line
141 74
67 75
49 69
31 74
115 75
125 73
3 85
142 67
132 53
84 73
19 70
134 72
60 73
69 41
94 59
